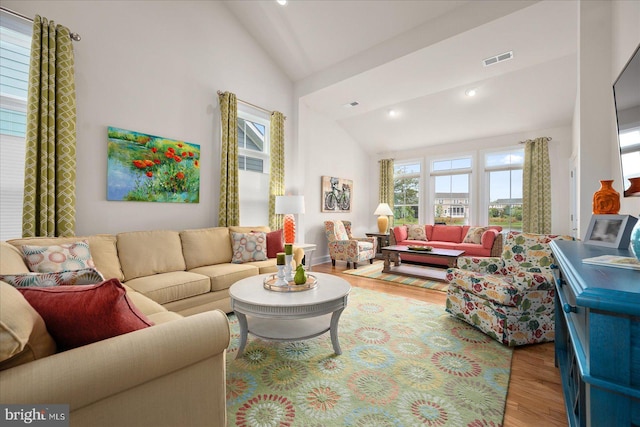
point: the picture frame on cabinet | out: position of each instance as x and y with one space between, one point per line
611 231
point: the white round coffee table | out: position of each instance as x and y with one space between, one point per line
289 316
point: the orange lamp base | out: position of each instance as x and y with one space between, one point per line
289 228
383 224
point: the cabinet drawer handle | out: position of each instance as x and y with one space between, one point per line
553 266
568 308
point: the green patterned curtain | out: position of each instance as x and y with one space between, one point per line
229 209
385 192
536 202
276 170
50 162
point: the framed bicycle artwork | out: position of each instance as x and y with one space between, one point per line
337 194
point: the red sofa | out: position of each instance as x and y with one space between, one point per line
449 237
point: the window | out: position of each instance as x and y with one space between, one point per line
253 167
451 178
406 192
252 144
15 46
504 182
630 152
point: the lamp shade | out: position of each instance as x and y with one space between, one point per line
382 209
289 204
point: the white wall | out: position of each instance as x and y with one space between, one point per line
625 39
327 150
606 30
155 67
559 153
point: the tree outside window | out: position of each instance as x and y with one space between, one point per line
406 193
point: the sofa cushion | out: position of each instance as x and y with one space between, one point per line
60 257
400 233
23 334
172 286
267 266
248 247
275 243
447 233
416 232
145 253
224 275
80 315
102 246
238 229
206 246
11 260
85 276
474 235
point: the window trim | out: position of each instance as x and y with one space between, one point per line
420 176
486 170
430 216
264 155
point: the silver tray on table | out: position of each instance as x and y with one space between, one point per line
270 284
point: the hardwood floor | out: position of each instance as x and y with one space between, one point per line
535 392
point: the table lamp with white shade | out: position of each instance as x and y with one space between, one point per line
383 211
289 206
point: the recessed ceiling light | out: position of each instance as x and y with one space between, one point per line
282 2
393 113
471 92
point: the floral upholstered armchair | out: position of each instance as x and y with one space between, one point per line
510 298
344 247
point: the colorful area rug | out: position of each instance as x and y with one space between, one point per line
374 271
404 363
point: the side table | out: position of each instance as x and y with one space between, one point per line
308 249
383 240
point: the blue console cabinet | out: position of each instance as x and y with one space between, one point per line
597 346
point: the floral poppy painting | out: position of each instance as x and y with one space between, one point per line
147 168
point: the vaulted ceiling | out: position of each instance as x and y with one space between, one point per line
419 58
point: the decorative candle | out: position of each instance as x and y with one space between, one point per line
280 258
288 249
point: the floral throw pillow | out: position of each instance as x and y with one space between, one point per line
474 235
416 232
85 276
249 247
56 258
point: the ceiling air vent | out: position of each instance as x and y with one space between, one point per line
351 104
498 58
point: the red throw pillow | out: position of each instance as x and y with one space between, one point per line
79 315
275 243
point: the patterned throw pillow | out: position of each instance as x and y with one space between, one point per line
56 258
85 276
248 247
416 232
474 235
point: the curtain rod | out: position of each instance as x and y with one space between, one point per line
252 105
524 142
74 36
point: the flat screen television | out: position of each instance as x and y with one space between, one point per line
626 93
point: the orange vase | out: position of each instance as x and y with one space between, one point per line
606 200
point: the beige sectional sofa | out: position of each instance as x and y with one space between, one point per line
172 373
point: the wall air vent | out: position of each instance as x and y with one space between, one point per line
498 58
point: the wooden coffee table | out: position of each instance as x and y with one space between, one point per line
394 254
289 316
